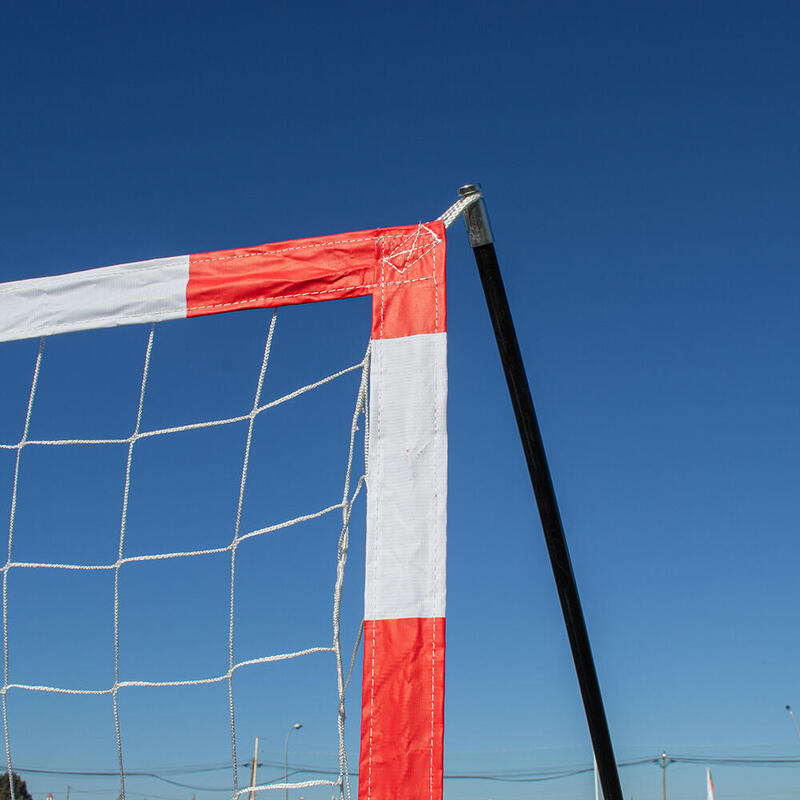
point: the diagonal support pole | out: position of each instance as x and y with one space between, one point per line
482 243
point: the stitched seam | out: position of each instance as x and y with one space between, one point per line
177 313
435 293
433 699
371 712
435 499
309 294
424 248
408 264
282 250
379 452
383 293
95 322
409 252
194 260
119 270
305 247
434 503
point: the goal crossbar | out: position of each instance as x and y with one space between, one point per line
403 270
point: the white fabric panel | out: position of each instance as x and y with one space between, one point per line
407 478
142 291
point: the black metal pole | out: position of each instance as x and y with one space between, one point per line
481 240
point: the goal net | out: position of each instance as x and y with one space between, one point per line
183 495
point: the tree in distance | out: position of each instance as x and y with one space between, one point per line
20 788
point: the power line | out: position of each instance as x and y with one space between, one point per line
498 776
734 761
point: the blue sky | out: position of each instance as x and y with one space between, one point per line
641 167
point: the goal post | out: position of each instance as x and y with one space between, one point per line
481 241
403 270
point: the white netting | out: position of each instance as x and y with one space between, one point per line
351 489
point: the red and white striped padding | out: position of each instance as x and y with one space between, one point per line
403 269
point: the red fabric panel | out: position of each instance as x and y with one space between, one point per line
402 268
410 294
402 710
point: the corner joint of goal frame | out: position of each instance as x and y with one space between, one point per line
471 205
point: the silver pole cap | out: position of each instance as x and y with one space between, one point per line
476 217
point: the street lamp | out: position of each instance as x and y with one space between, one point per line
286 755
797 730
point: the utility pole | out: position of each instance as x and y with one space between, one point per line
253 771
663 776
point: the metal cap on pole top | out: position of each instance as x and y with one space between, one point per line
481 239
479 229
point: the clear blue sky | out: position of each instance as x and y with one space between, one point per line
641 164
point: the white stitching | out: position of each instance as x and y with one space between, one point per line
435 293
371 711
409 252
143 316
305 294
147 267
433 699
256 252
123 270
423 249
283 250
383 293
434 500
